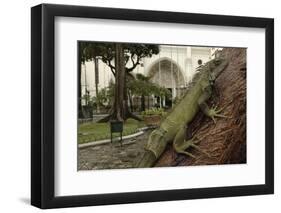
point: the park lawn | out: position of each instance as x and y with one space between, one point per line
89 132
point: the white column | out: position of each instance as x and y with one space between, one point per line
172 66
188 64
177 86
188 52
159 70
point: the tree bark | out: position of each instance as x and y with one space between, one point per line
131 101
119 83
142 103
96 60
80 113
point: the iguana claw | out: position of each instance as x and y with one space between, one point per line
181 149
213 113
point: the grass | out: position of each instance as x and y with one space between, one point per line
88 132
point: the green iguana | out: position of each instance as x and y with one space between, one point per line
173 127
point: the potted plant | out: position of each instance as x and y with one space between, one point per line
152 117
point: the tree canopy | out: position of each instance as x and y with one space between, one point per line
142 86
133 53
122 59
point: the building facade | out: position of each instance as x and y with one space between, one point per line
173 68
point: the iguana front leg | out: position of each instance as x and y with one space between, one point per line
210 112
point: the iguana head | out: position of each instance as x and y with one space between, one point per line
217 66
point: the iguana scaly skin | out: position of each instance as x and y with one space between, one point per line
173 127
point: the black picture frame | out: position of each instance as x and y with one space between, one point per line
43 102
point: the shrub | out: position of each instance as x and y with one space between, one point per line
154 111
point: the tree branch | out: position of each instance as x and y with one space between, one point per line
135 64
108 63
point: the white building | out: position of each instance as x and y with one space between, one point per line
172 68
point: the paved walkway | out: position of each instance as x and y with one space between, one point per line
113 156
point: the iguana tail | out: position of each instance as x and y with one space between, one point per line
148 160
154 148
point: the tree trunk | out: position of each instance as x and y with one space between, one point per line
224 141
142 103
96 60
131 101
119 84
80 113
120 110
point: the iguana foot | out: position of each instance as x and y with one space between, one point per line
214 113
199 149
186 153
187 144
